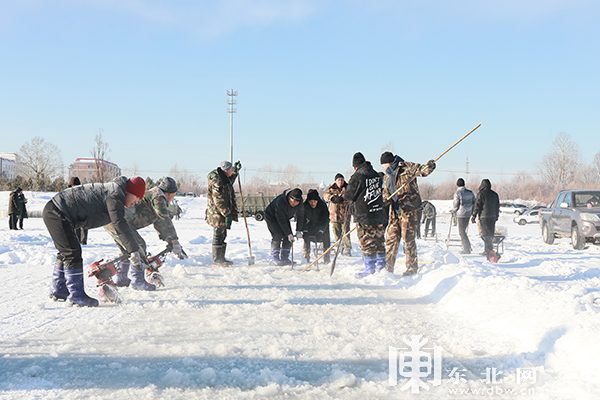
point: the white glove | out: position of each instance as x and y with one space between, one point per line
299 234
136 260
291 238
177 249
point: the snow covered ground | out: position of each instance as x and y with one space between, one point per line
525 328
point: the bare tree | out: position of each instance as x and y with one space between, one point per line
596 166
561 165
43 161
187 181
291 176
99 153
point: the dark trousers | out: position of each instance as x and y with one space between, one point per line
64 237
463 223
427 222
488 227
278 237
21 223
219 236
322 238
12 221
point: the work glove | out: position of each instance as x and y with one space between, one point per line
177 249
291 238
228 220
431 164
236 167
337 199
299 234
320 235
137 261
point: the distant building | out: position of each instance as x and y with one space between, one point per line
90 170
9 165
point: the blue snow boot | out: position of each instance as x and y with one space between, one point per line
59 286
379 262
285 254
369 267
138 280
77 295
121 278
275 251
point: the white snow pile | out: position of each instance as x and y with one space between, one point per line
526 327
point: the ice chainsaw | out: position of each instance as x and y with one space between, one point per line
105 271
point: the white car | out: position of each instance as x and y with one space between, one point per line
528 217
512 208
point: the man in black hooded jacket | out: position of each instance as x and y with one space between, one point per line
487 207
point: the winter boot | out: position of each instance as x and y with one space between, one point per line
121 278
275 251
409 272
369 267
379 262
59 287
138 280
77 295
219 256
284 257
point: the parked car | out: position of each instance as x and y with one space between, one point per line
190 194
574 214
528 217
512 208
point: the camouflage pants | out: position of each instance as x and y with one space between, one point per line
404 228
113 233
371 239
339 230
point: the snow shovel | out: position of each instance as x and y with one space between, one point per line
250 256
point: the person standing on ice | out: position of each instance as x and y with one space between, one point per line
365 190
339 211
462 207
152 209
13 208
277 215
429 213
221 208
487 208
88 206
22 200
404 205
316 224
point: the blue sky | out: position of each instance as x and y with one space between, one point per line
317 81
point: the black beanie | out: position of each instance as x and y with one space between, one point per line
460 182
74 181
295 194
312 195
387 157
338 176
358 159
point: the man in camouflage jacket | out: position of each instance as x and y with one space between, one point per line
221 208
403 215
339 211
152 209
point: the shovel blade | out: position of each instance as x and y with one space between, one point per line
251 260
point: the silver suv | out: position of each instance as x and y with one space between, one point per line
574 214
512 208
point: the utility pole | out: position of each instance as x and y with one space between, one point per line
231 110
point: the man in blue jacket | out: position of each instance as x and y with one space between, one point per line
89 206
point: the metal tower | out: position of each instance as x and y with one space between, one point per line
231 110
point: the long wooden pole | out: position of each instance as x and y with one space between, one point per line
393 194
250 257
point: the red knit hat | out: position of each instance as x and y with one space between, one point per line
136 186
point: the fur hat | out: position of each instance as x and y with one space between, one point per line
358 159
168 185
386 158
136 186
460 182
312 195
295 194
225 166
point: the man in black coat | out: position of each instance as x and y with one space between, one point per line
89 206
487 207
277 215
316 224
13 208
365 189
